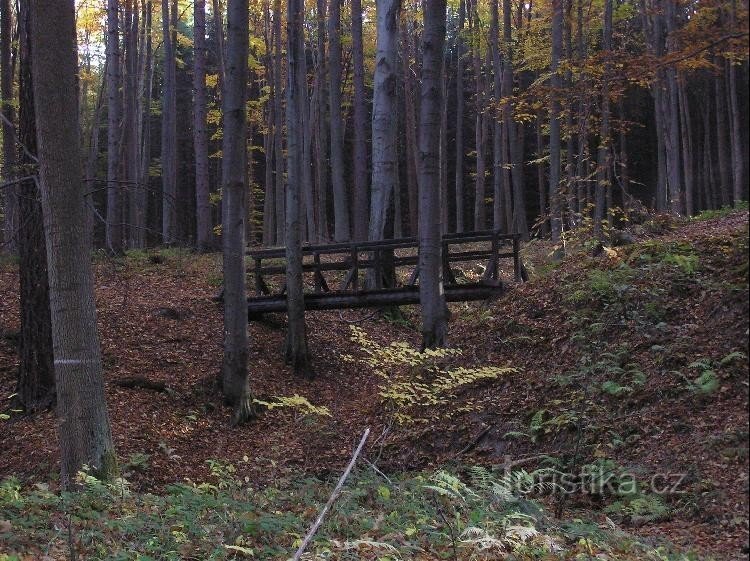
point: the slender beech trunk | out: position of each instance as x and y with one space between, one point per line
540 178
169 128
687 147
444 148
431 295
321 137
9 147
296 352
361 199
498 156
460 103
554 123
234 191
738 150
146 97
515 149
603 162
278 128
204 234
480 129
341 231
36 374
83 422
114 103
384 116
723 152
569 133
671 108
269 211
410 124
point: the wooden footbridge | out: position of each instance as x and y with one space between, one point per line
384 273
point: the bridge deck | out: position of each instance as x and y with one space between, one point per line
383 273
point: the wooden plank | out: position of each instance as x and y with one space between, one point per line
372 298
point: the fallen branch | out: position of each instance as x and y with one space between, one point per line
332 499
139 382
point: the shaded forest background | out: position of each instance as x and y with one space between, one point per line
546 107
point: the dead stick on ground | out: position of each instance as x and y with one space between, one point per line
332 499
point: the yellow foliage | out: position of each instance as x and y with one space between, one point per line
416 380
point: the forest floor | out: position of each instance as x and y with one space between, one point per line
633 362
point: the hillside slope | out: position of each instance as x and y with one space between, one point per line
632 363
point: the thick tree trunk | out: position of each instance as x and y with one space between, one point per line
36 374
460 103
554 124
114 103
10 197
444 149
295 352
84 430
146 97
204 234
431 296
361 226
234 367
384 116
341 231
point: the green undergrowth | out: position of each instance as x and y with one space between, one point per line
469 514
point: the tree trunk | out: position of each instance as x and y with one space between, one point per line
296 353
9 147
541 184
341 231
321 137
480 129
498 155
361 226
84 430
384 116
460 102
410 126
554 124
169 130
603 158
278 128
722 128
36 374
234 367
204 234
671 108
444 149
687 147
114 102
431 295
514 148
738 151
146 97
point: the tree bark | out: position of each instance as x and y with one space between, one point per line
114 103
10 195
83 421
460 102
384 116
603 158
514 148
234 367
36 374
169 126
361 226
278 113
295 352
480 129
499 221
554 124
431 295
410 126
321 125
204 234
341 231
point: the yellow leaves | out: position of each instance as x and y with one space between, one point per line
296 402
212 80
415 380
